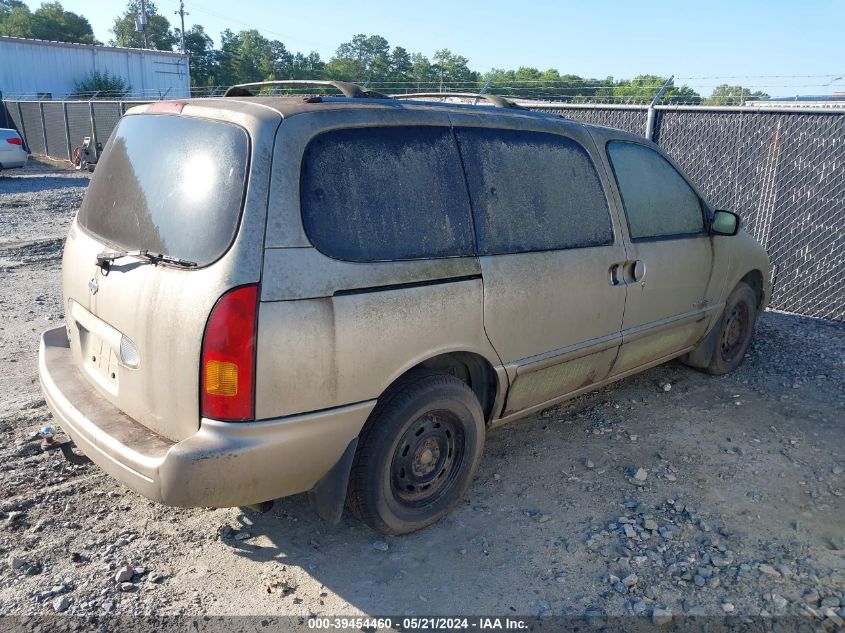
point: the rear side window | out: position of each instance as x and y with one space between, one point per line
169 184
532 191
386 193
657 199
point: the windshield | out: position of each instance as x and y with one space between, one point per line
169 184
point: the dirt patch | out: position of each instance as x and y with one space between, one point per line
719 496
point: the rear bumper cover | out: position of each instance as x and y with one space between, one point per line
223 464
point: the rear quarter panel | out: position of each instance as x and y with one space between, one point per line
329 351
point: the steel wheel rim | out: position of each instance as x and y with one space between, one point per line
734 332
427 459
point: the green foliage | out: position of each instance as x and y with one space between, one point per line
159 35
643 88
15 19
102 84
549 84
203 57
452 71
361 59
49 22
248 56
52 22
733 95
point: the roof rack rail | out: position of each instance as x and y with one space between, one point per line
346 88
495 100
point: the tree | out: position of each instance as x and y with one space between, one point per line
733 95
453 70
103 85
159 35
15 19
244 57
422 71
203 58
400 66
308 66
51 22
643 88
364 58
248 56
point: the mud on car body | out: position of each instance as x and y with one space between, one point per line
341 295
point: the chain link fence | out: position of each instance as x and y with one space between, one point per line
782 170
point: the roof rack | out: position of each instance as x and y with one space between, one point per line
346 88
355 91
495 100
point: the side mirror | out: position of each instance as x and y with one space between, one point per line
725 223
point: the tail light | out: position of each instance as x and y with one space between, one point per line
227 383
14 141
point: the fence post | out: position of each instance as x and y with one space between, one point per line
93 127
23 126
652 111
5 111
67 131
43 127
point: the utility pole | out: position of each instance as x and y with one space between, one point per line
143 23
182 13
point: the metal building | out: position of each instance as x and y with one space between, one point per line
40 69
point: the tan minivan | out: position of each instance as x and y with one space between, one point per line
270 295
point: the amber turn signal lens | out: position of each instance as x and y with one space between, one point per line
221 378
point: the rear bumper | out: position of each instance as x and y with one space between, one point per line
13 159
222 465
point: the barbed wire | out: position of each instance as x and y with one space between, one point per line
567 90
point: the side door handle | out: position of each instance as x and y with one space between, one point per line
616 274
637 270
628 272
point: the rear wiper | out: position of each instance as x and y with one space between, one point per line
105 258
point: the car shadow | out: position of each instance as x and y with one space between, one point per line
36 182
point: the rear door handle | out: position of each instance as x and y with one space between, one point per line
628 272
618 276
637 270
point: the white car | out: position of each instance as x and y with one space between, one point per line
13 152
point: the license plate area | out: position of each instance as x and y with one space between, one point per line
99 360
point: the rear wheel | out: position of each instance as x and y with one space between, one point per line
735 330
417 454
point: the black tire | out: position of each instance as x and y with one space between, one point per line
417 454
735 330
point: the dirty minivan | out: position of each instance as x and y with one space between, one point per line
340 295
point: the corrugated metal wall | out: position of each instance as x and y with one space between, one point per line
29 68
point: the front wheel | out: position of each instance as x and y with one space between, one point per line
417 454
735 330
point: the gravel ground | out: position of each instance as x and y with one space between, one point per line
718 496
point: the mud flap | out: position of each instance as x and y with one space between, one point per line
329 494
701 356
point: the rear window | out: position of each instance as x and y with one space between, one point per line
169 184
533 191
386 193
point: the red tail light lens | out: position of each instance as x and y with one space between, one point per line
227 383
14 141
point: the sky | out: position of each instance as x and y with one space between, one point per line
784 48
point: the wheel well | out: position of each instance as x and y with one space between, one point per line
754 279
475 370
